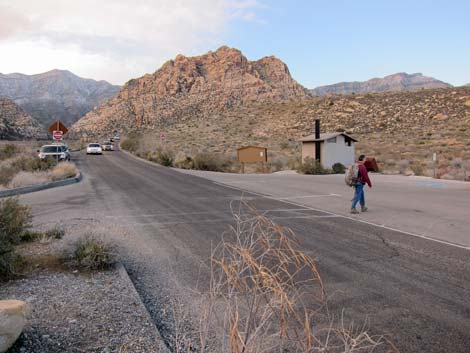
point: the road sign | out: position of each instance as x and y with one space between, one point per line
57 135
162 137
57 126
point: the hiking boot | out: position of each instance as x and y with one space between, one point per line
354 211
364 209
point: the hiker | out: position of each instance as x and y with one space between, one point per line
362 180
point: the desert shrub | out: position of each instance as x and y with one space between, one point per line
89 253
183 161
28 178
9 259
26 163
8 151
130 144
417 168
211 162
403 166
14 222
63 170
161 156
15 219
338 168
266 295
294 163
312 166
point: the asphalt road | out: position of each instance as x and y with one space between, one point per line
414 289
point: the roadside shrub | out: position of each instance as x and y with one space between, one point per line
211 162
130 144
338 168
28 178
162 157
9 259
417 168
183 161
89 253
312 166
8 151
63 170
15 219
14 222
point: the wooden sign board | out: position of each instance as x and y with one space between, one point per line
58 126
252 154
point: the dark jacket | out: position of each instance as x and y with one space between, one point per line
363 176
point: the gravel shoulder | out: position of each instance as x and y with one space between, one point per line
74 312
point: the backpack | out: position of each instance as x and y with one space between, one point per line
351 175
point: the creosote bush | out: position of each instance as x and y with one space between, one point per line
312 166
338 168
211 162
89 253
130 143
8 151
14 223
63 170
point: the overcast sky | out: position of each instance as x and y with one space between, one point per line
322 42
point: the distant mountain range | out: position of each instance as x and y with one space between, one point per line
15 123
56 94
396 82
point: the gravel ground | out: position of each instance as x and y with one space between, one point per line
73 312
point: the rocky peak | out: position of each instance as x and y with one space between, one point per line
193 87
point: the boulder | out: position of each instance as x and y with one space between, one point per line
12 320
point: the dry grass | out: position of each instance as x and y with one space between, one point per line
266 295
28 178
63 170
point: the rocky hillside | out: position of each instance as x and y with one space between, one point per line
55 94
401 129
396 82
15 123
189 88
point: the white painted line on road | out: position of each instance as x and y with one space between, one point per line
348 217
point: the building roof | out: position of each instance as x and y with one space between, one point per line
245 147
323 137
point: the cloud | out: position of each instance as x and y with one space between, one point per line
112 39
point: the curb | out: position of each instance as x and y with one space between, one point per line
28 189
125 276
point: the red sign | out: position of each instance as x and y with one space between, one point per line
162 137
57 135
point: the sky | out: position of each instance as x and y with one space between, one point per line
322 42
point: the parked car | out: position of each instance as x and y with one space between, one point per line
94 148
117 137
59 152
107 146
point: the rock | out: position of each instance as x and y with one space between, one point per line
187 88
12 320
